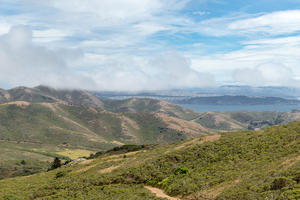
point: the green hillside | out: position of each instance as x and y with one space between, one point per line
41 131
78 126
235 165
39 124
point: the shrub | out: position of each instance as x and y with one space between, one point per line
56 163
281 182
60 174
182 170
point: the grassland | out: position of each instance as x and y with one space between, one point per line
38 132
261 164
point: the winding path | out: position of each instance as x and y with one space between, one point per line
159 193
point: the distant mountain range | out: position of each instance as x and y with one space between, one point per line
238 100
224 95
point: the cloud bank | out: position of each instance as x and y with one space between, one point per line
25 63
121 45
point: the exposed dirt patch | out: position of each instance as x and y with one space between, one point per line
208 138
117 142
93 110
159 193
50 105
129 127
86 162
22 104
216 191
85 168
290 162
109 169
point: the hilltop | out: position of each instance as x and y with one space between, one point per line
50 95
234 165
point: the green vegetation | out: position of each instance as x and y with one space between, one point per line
42 131
260 164
240 165
56 163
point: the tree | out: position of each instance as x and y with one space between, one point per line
56 163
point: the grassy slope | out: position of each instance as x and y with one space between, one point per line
239 120
80 127
135 105
239 165
57 128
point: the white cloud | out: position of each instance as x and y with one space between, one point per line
276 23
24 63
123 48
4 27
268 74
263 24
49 35
201 13
131 73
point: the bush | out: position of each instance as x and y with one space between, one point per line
281 182
56 163
60 174
182 170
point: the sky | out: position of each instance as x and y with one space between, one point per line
134 45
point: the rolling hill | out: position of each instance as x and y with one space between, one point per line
261 164
41 123
46 94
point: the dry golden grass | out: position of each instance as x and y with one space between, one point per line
183 125
208 138
75 153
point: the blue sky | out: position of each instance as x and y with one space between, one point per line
149 44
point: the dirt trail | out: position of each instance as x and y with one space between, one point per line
109 169
18 103
209 138
290 162
85 168
159 193
216 191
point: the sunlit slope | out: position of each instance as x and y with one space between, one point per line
135 105
243 120
237 165
46 94
89 127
